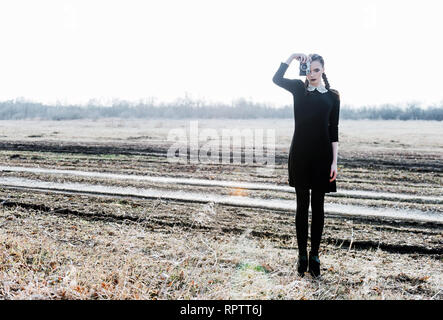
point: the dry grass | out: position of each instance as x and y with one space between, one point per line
48 255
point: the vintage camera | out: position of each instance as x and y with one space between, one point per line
305 68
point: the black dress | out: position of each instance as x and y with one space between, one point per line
316 126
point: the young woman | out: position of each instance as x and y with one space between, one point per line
312 163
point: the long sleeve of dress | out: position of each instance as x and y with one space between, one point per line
278 79
333 121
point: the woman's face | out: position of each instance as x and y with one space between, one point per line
315 76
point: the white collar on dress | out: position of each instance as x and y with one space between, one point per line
321 88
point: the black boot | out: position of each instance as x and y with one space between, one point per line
302 264
314 265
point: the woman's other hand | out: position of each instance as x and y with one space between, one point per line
333 174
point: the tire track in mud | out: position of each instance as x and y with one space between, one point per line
416 162
191 182
172 222
275 204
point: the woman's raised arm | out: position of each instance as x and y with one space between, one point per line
288 84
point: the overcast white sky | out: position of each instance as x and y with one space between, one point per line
218 50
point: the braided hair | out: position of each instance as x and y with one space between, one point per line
319 58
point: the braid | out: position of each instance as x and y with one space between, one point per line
325 79
306 86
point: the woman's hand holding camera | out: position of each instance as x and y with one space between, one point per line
301 57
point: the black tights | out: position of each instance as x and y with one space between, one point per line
301 219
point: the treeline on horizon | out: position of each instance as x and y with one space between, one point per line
240 109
